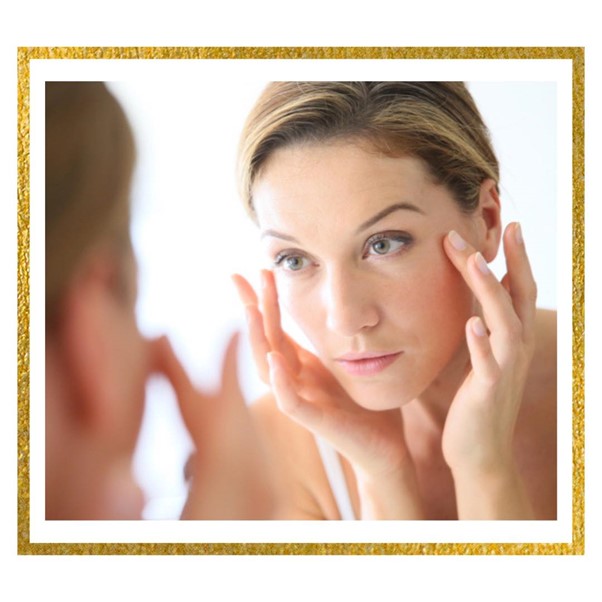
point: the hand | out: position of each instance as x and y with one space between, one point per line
309 394
229 477
479 429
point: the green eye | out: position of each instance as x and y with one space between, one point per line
291 262
381 247
388 243
294 263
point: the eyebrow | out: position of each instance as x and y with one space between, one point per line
387 211
370 222
277 234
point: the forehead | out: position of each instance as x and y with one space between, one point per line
341 183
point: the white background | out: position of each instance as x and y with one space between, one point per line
459 23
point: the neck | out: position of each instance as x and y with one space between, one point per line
86 479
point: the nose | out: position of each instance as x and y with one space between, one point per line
350 303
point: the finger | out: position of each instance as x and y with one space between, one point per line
245 291
506 283
330 422
277 338
165 362
230 387
289 402
498 311
260 347
271 310
191 402
521 284
485 368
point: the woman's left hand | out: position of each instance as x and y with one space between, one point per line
479 429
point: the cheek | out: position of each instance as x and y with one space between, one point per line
303 304
135 370
438 302
299 302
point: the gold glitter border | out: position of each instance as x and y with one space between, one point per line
574 54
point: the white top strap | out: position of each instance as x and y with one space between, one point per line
336 478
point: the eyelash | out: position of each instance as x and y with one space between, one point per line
284 255
400 237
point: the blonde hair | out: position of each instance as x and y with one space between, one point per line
89 162
437 122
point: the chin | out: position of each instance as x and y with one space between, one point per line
379 396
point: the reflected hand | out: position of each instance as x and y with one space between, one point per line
307 392
229 477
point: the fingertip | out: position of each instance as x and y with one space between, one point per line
518 234
456 241
245 291
233 341
481 264
513 235
477 327
236 281
457 249
167 364
267 279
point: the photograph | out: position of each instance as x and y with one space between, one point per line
302 302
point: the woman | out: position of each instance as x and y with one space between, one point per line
433 383
97 362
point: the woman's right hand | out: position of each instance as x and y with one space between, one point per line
307 392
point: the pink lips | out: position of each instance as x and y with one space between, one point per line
366 364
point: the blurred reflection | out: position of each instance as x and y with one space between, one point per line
97 361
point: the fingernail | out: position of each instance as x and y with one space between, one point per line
457 241
481 263
478 327
518 234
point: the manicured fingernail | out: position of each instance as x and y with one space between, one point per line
481 263
457 241
478 327
518 234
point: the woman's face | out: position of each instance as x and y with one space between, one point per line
355 239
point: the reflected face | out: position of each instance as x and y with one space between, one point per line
355 239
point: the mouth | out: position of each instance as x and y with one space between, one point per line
366 364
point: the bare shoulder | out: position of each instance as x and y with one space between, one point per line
536 428
303 487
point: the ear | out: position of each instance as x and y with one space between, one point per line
489 220
87 332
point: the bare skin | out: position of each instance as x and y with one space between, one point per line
381 261
304 489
